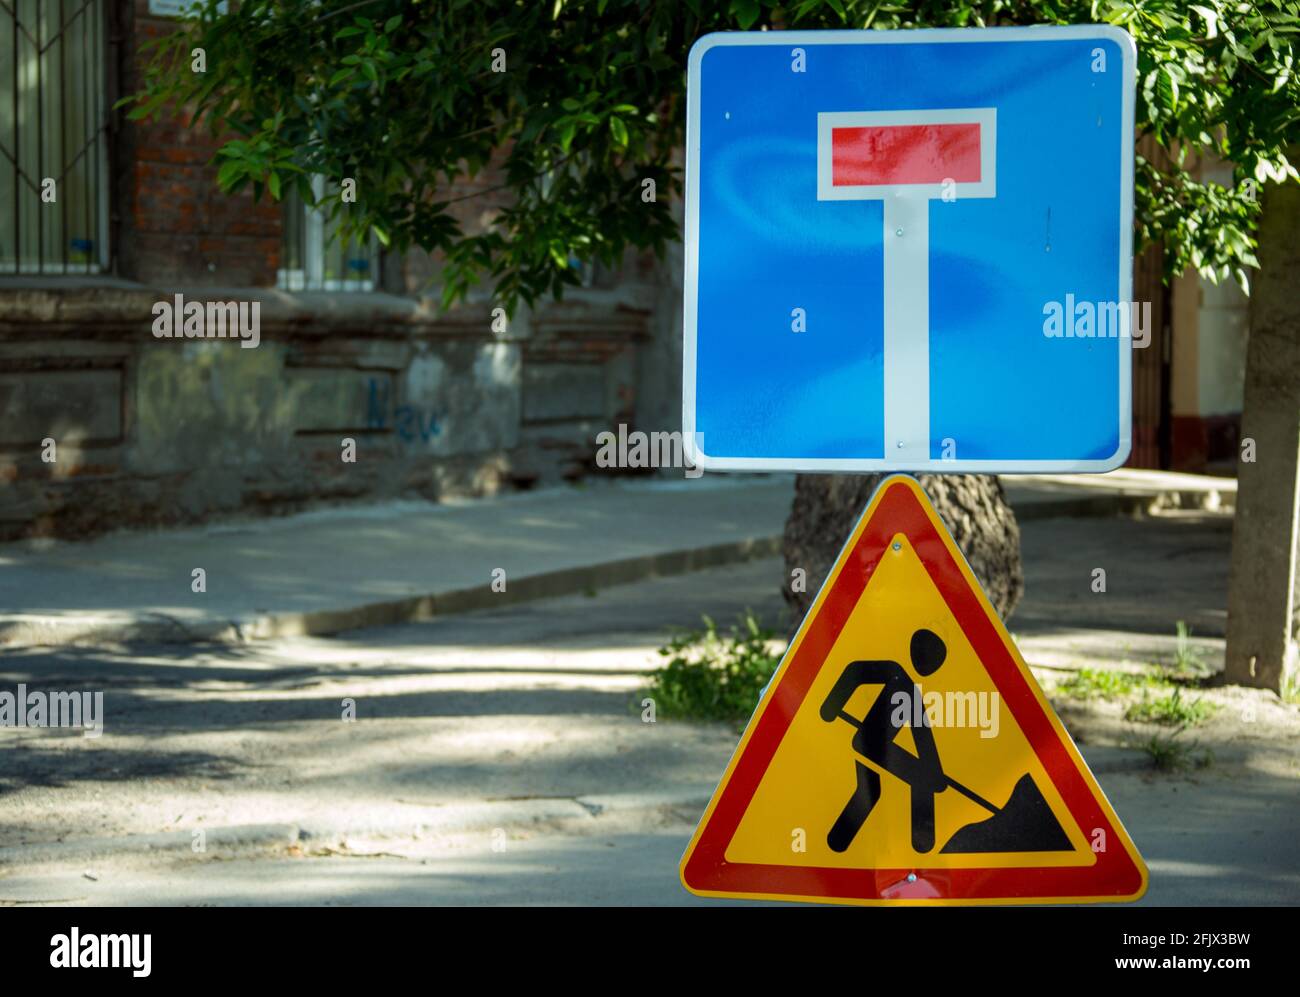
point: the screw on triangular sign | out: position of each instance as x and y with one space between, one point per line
903 752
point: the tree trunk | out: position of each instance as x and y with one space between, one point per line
1262 590
974 508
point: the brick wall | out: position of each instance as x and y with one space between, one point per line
176 224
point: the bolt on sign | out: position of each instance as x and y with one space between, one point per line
881 229
903 752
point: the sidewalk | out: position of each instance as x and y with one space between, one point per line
342 568
1127 491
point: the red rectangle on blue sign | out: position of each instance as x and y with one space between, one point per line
899 154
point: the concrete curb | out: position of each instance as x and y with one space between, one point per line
159 628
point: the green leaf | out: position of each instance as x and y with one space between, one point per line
566 135
230 171
618 130
746 12
1166 88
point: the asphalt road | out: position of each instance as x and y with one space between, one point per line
1221 840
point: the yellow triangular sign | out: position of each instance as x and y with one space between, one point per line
903 752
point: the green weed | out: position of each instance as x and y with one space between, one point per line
712 675
1188 662
1168 754
1291 687
1169 710
1102 683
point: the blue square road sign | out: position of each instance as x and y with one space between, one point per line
910 250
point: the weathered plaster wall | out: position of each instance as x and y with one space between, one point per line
156 432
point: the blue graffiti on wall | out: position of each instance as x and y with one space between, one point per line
410 422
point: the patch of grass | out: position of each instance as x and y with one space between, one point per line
1291 687
1187 658
1187 668
1168 754
1102 683
712 675
1170 710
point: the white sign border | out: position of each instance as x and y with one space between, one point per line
690 290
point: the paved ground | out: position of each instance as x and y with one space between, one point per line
517 727
1158 570
1216 841
534 700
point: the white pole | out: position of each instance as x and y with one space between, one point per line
907 329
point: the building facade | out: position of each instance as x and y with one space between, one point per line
103 425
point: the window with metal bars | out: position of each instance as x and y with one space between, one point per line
53 127
315 256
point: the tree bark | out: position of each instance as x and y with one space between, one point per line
1262 589
974 507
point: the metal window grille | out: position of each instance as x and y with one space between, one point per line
316 257
53 127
